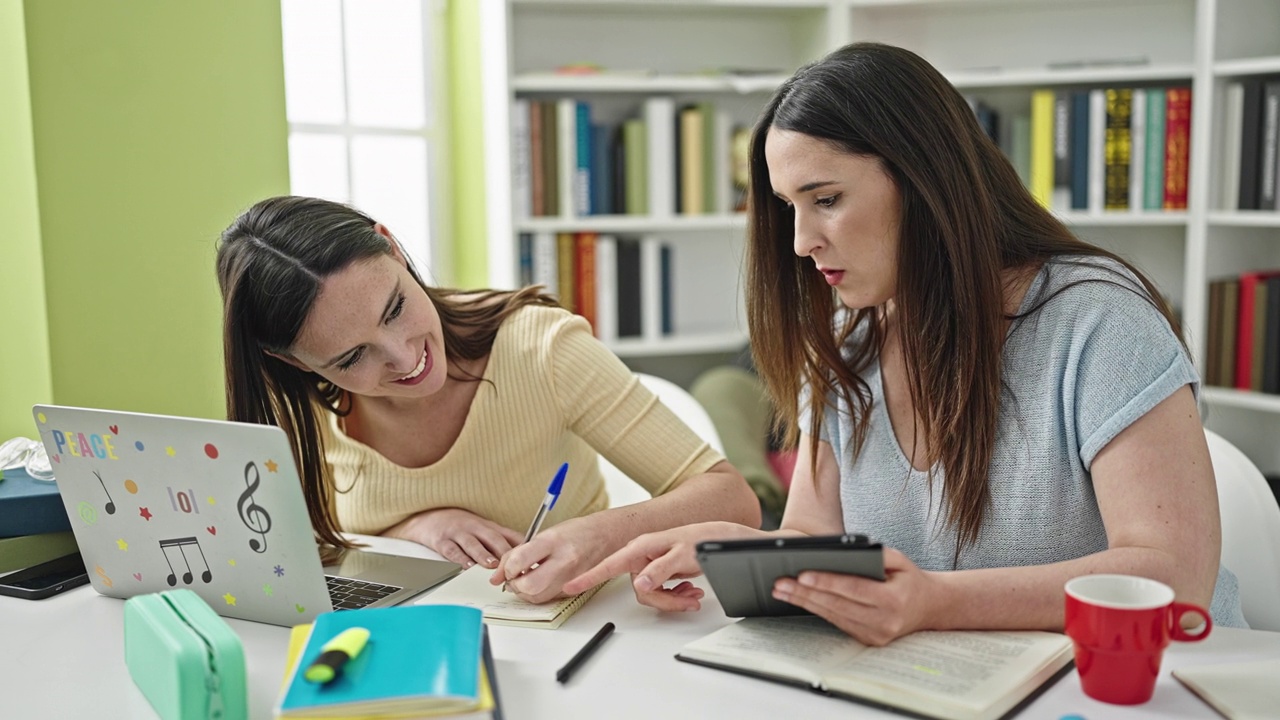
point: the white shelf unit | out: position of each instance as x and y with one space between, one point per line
1000 50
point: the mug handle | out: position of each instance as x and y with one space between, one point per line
1176 631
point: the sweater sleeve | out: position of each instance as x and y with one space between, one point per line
605 404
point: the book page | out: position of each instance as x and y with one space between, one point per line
803 648
976 669
472 588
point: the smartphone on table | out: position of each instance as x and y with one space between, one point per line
742 572
45 579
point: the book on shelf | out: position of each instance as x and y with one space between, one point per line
660 141
1103 149
1153 185
1062 130
419 661
1233 135
472 589
1251 331
1250 143
1117 147
1177 122
1042 146
964 675
521 160
1137 149
1270 140
1097 157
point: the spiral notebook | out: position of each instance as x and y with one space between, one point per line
472 588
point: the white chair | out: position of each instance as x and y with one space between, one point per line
1250 532
625 491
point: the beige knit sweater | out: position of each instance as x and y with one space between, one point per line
552 394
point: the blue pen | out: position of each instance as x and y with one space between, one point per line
548 502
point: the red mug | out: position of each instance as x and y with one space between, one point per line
1120 626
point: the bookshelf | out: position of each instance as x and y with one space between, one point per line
999 50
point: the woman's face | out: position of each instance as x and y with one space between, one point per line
846 211
373 331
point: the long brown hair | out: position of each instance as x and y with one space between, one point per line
966 219
271 263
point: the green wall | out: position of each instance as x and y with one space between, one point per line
24 345
466 117
155 123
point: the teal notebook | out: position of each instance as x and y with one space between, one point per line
419 659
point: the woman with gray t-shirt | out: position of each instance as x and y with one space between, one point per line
1002 405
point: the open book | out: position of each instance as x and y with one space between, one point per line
472 589
969 675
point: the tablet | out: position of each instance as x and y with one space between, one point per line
742 572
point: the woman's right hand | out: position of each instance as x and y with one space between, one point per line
458 535
655 558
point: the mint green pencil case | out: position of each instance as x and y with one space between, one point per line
184 658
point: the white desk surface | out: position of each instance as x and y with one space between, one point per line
63 657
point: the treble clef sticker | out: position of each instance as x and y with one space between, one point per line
253 515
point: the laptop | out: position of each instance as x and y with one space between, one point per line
160 502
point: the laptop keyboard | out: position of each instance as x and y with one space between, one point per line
348 594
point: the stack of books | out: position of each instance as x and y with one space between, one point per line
34 527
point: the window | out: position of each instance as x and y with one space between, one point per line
365 119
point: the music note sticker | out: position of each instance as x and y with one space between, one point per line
111 504
180 543
253 515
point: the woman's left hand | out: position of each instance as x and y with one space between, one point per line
873 612
537 570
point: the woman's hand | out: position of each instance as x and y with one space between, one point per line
873 612
458 535
538 570
656 558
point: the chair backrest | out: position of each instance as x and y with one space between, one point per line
1250 531
625 491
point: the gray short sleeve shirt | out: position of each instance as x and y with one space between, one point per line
1092 360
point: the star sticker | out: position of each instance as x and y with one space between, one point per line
211 500
170 451
122 544
145 513
279 571
272 466
267 589
231 599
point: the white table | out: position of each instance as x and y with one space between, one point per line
63 657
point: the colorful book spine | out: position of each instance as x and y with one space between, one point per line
1177 147
1153 182
635 140
566 250
584 265
1119 112
582 159
1042 102
1080 150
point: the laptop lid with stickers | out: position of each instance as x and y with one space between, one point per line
159 502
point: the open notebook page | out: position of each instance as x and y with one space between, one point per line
472 588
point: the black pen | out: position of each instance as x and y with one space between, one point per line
563 674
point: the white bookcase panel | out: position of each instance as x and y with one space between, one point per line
997 50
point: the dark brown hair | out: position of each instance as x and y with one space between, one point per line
271 263
966 220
